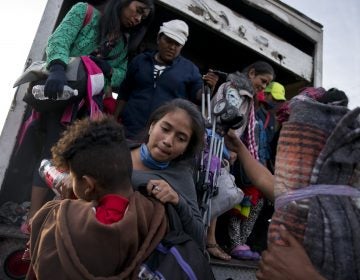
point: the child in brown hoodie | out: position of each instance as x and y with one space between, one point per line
110 229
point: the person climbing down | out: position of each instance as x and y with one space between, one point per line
103 38
157 77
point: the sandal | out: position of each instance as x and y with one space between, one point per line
217 252
243 252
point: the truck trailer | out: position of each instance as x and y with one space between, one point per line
224 34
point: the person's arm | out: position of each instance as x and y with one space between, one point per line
286 262
119 64
61 40
188 207
58 49
114 69
258 174
193 81
185 204
191 219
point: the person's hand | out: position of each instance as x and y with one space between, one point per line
162 191
232 141
103 65
67 188
55 82
211 79
233 157
289 262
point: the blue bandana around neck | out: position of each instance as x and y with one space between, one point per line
148 160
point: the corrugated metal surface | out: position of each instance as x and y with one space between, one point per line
247 33
233 273
234 269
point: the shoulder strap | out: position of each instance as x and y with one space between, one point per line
88 15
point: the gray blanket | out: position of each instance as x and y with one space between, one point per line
318 155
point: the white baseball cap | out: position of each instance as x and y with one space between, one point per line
175 29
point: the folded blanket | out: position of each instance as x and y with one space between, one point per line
317 185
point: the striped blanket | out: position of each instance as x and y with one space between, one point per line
317 185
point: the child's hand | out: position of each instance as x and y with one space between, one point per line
67 188
162 191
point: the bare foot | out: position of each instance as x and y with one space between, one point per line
217 252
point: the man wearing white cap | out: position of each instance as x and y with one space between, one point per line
153 78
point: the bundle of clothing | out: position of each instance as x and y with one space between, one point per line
317 185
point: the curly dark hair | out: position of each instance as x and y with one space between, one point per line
334 96
95 148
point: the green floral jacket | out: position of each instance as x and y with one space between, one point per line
71 39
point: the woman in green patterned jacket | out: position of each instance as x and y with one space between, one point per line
106 35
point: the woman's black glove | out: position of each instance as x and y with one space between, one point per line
55 82
103 65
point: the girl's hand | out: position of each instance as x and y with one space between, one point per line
162 191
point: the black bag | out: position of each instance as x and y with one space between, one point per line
177 257
37 74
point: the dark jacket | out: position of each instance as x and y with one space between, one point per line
144 93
